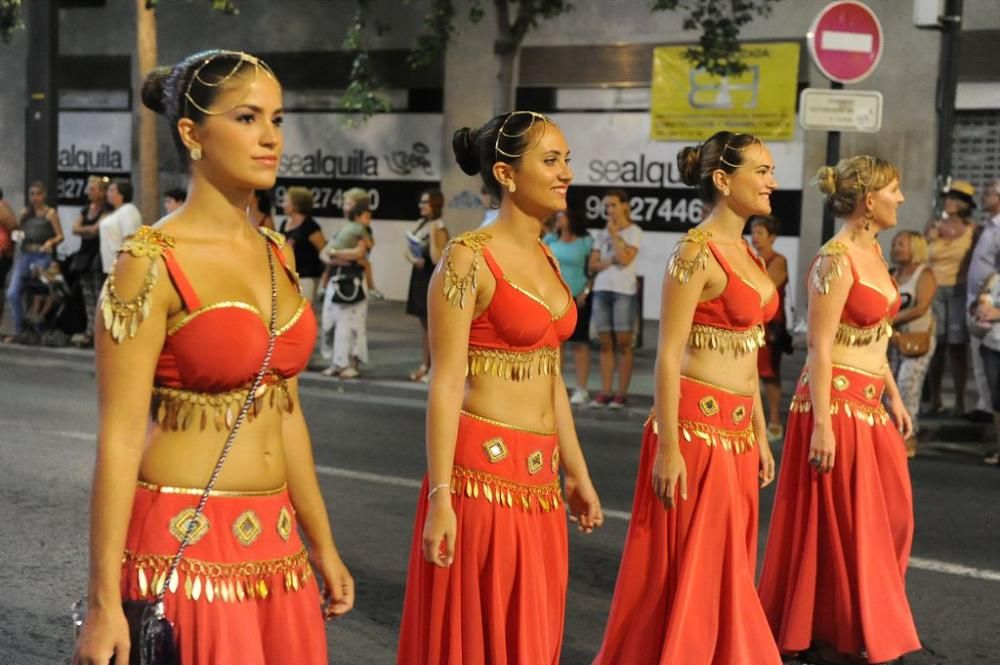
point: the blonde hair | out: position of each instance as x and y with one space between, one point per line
102 182
302 199
847 183
356 195
919 252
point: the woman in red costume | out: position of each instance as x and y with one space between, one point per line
184 332
685 591
489 560
833 582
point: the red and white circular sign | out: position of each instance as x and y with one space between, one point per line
845 41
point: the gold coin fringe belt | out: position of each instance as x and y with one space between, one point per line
513 365
849 335
851 409
737 442
222 582
505 493
178 409
740 342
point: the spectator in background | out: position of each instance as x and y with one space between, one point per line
950 241
984 262
571 245
345 306
763 233
423 250
124 220
174 199
8 222
305 237
85 265
913 341
41 232
260 209
615 305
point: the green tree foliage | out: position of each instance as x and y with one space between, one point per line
364 92
718 50
10 19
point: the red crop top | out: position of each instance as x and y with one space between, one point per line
868 313
732 320
211 355
517 337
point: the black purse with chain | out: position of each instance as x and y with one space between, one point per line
150 632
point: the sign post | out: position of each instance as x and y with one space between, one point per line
846 43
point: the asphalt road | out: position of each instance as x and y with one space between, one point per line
369 447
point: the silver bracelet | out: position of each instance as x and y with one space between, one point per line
435 489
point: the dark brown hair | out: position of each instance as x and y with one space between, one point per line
477 150
436 198
769 223
723 150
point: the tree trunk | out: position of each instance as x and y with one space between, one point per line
147 175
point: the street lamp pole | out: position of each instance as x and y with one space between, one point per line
42 111
951 28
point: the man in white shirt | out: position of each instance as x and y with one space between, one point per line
122 222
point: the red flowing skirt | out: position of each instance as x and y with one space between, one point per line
685 593
503 599
835 567
244 593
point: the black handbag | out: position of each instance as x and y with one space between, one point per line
150 632
347 284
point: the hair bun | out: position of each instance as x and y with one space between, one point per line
463 142
689 165
152 89
826 179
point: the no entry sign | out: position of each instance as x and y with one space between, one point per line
845 41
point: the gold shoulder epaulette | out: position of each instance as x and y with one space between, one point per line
681 269
455 286
274 236
123 316
829 264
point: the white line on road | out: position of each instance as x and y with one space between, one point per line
398 481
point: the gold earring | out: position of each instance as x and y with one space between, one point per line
725 192
195 154
511 187
869 218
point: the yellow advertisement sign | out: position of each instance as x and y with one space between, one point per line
689 104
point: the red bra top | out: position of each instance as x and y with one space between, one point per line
518 320
866 305
220 346
739 306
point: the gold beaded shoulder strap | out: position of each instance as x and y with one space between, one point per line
680 268
829 264
276 238
122 316
455 285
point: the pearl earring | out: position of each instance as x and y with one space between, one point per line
511 187
725 192
195 154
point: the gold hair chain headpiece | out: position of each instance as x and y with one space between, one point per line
257 63
728 146
502 133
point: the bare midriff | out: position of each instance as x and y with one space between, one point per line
727 370
186 458
869 358
526 404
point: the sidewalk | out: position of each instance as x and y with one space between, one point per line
394 351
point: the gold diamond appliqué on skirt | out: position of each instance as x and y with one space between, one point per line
179 525
708 405
495 450
284 524
535 462
246 528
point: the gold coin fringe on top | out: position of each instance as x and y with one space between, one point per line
861 412
849 335
830 264
455 286
739 441
513 365
682 269
123 316
176 409
740 342
505 493
222 582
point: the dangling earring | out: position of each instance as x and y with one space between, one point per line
725 192
869 218
195 154
511 187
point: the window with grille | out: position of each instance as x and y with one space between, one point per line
975 148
